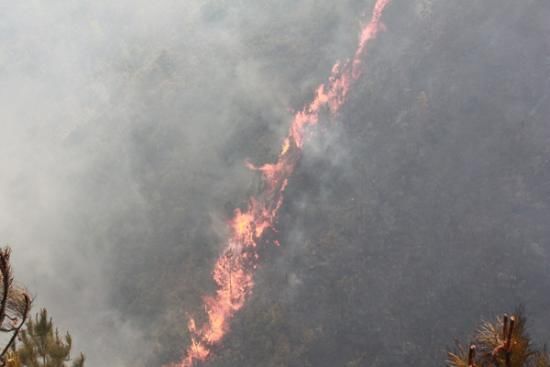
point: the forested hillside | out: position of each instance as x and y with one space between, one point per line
426 209
421 208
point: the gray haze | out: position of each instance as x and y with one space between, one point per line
125 125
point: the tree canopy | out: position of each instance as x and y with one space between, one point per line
43 346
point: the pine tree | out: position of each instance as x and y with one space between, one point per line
15 304
502 343
42 346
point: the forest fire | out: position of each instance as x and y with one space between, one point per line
234 269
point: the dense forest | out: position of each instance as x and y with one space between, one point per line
418 211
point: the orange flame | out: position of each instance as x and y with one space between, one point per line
234 269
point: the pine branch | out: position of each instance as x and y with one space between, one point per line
7 280
18 328
15 303
503 343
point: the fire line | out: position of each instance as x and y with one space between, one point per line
234 269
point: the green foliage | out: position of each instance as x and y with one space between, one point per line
42 346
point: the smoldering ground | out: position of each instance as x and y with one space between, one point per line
124 130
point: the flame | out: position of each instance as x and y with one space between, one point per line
234 269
